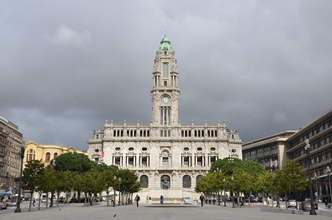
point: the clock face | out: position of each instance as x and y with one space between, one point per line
164 99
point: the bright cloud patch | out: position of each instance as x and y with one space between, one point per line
68 37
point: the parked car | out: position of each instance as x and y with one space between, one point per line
292 203
315 202
75 200
61 200
100 198
306 205
43 200
253 199
189 201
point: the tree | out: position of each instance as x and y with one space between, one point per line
129 183
77 164
47 183
91 184
32 176
74 162
265 183
291 178
227 167
107 181
243 182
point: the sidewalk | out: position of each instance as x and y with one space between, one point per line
129 212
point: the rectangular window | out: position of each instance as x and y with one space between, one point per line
185 161
165 69
165 161
199 161
117 160
144 161
213 159
131 161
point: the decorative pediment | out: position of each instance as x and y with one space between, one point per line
186 154
213 154
96 156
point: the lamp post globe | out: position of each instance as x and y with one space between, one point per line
114 191
18 204
307 150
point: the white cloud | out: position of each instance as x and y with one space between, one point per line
66 36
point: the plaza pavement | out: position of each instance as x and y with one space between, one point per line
130 212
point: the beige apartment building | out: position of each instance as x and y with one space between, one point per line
319 134
269 151
275 150
168 157
10 148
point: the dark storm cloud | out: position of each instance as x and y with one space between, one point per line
67 66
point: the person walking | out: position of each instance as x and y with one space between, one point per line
202 199
326 203
137 198
161 200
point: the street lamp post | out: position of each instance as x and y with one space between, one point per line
114 190
218 186
224 180
7 187
307 150
119 203
52 192
328 171
18 208
316 180
232 178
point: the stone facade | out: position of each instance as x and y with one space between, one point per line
319 135
168 157
269 151
10 149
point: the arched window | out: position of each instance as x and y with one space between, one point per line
31 155
144 181
55 155
48 157
165 182
198 178
186 181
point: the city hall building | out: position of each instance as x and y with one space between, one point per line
169 158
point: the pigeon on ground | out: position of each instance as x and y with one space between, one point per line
114 215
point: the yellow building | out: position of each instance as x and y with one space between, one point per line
46 153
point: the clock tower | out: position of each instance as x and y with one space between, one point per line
165 92
168 157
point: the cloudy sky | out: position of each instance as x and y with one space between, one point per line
66 66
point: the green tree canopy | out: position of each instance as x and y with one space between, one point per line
74 162
227 166
291 178
33 176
